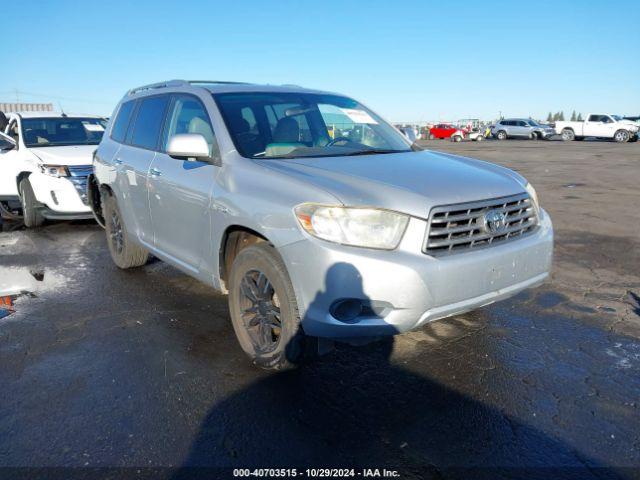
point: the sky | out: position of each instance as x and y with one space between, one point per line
409 61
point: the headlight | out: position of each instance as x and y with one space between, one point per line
360 227
54 170
534 197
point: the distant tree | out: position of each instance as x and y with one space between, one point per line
561 118
573 116
579 119
550 117
556 116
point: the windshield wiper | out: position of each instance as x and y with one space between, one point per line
375 152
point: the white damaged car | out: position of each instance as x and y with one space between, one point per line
45 159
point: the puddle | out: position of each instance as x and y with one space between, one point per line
7 303
17 280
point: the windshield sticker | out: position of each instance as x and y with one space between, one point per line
93 127
358 116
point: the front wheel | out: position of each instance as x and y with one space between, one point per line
263 307
533 136
456 138
621 136
124 253
501 135
31 215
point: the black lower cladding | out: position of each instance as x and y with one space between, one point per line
78 175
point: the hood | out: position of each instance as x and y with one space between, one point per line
411 182
67 155
629 123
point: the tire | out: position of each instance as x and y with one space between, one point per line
533 136
263 308
124 253
480 138
31 215
456 138
431 137
621 136
501 135
568 135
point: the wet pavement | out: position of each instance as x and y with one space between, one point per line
102 369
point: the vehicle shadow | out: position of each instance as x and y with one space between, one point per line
361 408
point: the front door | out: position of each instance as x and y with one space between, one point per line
10 166
180 190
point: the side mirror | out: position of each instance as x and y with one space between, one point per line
6 144
187 146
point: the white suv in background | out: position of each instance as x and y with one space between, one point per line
45 159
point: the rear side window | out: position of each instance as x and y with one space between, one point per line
121 123
149 121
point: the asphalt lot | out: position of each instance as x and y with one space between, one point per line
105 368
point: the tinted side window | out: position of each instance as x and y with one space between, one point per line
121 123
594 118
148 122
522 124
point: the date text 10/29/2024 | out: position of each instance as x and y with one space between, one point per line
316 473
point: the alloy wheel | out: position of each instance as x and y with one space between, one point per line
116 234
260 311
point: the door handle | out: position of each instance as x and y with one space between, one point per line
117 161
155 172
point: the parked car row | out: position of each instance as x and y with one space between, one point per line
315 237
602 126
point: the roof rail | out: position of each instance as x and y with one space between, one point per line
151 86
220 82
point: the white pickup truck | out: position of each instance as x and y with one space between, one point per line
600 126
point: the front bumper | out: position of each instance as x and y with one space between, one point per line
61 196
406 288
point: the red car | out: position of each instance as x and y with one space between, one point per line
442 130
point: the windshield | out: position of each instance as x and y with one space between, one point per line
290 125
617 118
56 132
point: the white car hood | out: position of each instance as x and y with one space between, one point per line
68 155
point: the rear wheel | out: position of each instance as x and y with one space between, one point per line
31 215
124 252
621 136
263 307
501 135
480 138
568 135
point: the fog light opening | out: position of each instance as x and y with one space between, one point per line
347 309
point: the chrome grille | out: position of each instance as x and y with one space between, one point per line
78 176
464 226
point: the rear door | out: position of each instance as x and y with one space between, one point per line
180 190
593 127
133 161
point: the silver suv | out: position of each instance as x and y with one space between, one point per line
317 217
521 128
